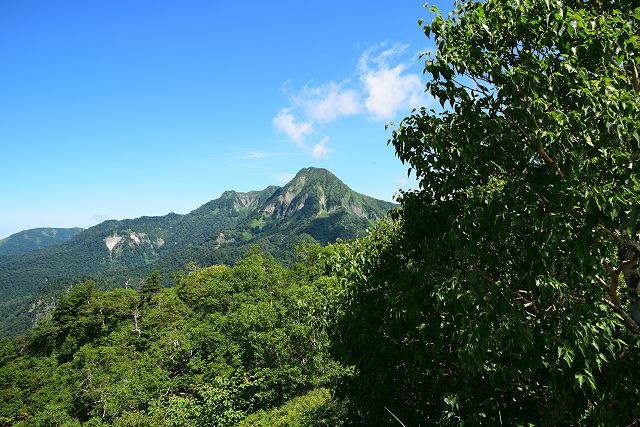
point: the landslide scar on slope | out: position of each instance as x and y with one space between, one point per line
112 242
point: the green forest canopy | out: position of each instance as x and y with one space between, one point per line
495 293
221 344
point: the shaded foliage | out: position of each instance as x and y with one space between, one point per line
494 294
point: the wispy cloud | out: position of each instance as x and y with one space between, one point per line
402 182
320 150
296 130
379 56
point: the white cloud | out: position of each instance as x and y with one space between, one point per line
389 90
327 102
296 130
382 86
320 150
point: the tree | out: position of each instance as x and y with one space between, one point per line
69 306
151 285
494 295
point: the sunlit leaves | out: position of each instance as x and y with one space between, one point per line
222 344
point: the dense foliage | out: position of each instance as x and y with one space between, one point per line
224 343
494 296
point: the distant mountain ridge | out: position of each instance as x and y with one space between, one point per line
314 206
36 238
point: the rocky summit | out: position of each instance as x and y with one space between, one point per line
315 206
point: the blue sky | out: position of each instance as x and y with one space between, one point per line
117 109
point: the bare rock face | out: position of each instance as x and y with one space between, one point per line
135 238
112 241
358 211
139 239
243 200
115 241
291 199
221 239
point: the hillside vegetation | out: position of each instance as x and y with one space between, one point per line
314 207
223 343
504 291
34 239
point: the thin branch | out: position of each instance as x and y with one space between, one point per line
537 144
602 282
614 299
635 79
620 238
613 235
394 416
527 303
628 321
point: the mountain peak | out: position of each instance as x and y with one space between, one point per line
228 194
314 205
318 204
315 172
317 191
316 175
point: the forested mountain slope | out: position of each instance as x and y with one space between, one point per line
505 290
36 238
314 206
